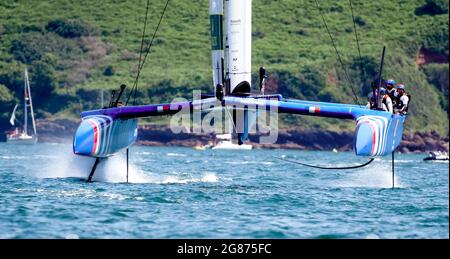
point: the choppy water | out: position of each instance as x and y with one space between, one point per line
183 193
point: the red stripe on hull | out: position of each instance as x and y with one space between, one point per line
374 137
95 128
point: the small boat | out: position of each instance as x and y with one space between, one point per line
17 136
226 143
436 156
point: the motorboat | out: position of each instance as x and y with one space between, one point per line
436 156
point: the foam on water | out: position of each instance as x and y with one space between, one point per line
183 179
248 162
237 162
439 161
377 175
87 193
113 170
210 178
13 157
145 153
400 161
66 165
176 154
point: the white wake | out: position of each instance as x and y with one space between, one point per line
113 170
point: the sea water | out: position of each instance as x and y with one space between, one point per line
186 193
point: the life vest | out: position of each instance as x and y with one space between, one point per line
399 104
373 104
391 93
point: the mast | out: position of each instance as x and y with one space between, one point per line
27 82
25 99
239 44
378 98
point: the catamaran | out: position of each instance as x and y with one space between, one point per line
107 131
18 136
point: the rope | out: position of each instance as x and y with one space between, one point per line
142 46
338 55
326 168
357 40
141 64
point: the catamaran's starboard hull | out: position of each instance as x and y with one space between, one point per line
102 136
377 135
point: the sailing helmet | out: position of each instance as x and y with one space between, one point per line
401 87
382 91
390 82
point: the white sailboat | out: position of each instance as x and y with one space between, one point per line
22 137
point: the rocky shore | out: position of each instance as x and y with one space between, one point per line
61 131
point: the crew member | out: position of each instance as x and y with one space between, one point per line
386 100
402 100
390 89
372 104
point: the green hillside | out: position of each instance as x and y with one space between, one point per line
75 48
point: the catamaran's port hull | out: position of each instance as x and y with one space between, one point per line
378 133
103 136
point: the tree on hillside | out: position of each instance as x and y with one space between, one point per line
43 82
71 28
433 7
6 106
5 96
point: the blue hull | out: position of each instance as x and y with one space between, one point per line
377 136
102 136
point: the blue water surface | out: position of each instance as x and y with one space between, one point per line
185 193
